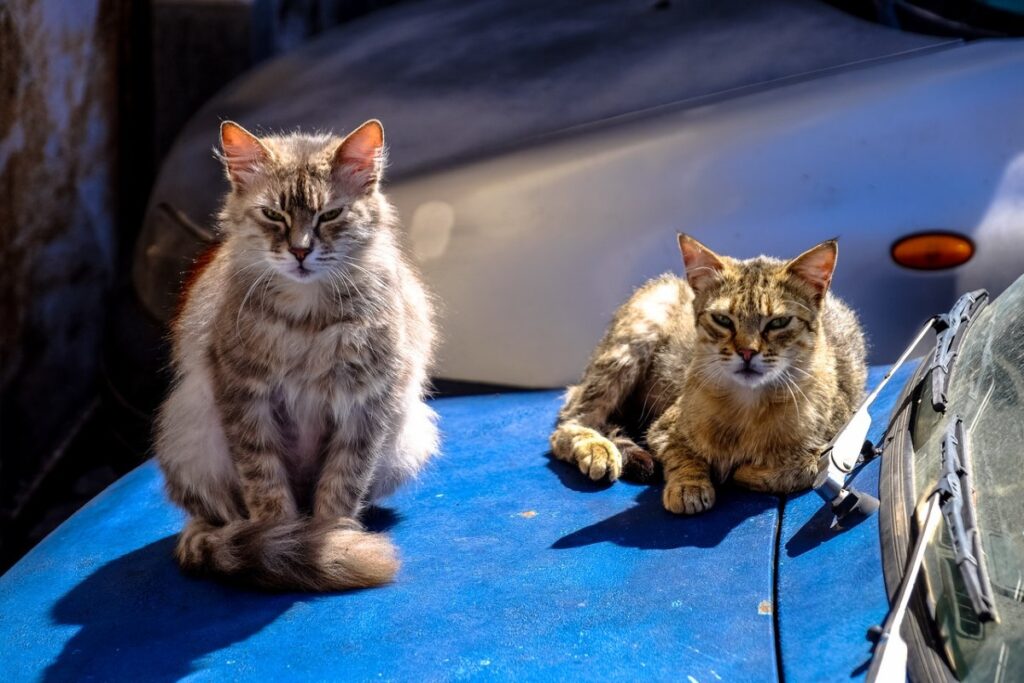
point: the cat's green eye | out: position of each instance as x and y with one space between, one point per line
778 323
328 216
272 215
723 320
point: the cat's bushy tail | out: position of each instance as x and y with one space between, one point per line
294 555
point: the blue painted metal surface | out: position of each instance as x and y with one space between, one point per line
830 584
515 568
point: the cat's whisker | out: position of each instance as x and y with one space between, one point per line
791 384
800 305
804 374
787 384
342 281
334 288
647 396
263 294
241 306
240 273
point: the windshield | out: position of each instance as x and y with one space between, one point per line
987 391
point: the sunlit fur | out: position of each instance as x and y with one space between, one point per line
301 184
751 295
674 356
299 382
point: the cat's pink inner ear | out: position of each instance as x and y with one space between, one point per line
816 265
702 264
360 156
243 153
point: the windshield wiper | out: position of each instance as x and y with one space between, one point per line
956 490
951 329
952 499
889 661
850 446
850 506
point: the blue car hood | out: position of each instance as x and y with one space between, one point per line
515 566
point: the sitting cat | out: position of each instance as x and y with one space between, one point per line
300 356
744 369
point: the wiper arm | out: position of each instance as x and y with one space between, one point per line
847 447
957 502
951 329
849 505
889 662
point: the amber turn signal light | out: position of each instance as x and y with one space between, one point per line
932 250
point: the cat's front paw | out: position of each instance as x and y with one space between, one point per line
688 498
597 457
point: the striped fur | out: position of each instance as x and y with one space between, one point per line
300 354
671 366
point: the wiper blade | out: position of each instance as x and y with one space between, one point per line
957 502
889 661
951 328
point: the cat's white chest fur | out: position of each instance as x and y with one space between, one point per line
315 387
306 427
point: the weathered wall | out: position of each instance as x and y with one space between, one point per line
58 118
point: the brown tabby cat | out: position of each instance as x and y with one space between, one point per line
744 369
300 355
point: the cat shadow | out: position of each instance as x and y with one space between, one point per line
648 526
140 618
380 519
572 478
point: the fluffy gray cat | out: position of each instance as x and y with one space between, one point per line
300 355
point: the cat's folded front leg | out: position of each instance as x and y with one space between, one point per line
595 455
787 478
261 471
244 401
688 486
345 478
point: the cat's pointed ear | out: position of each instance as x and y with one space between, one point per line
242 153
815 266
359 159
702 264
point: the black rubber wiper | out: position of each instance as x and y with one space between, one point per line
957 502
950 330
952 500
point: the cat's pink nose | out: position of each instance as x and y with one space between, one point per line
746 354
299 253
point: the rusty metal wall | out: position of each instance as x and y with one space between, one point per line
58 118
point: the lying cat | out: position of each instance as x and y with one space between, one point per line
300 356
745 369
